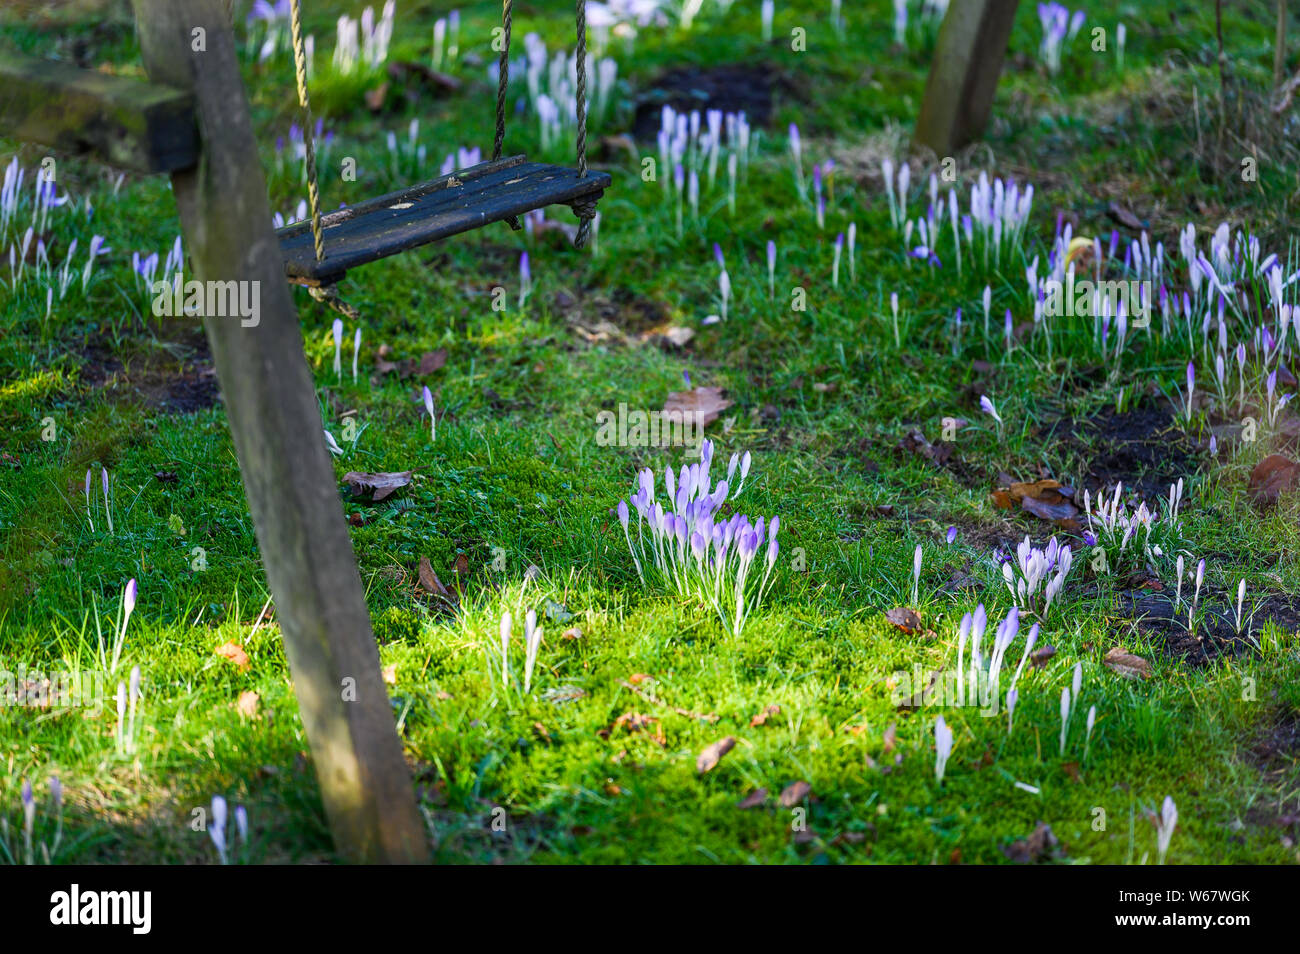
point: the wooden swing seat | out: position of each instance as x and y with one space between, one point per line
493 191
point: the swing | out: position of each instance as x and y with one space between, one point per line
320 251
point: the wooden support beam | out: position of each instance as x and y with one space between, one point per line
964 73
116 120
287 474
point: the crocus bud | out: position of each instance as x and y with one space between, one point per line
128 600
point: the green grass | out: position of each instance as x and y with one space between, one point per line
822 398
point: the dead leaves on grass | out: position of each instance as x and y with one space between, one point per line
762 717
701 405
1045 499
1272 477
1126 664
711 755
234 653
381 484
1041 845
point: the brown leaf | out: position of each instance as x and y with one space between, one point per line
712 754
432 361
794 794
389 674
755 799
639 677
235 653
636 722
375 97
429 581
1046 499
905 619
1271 477
1041 656
1041 843
1072 769
1127 665
1125 217
572 633
701 404
889 737
246 704
381 484
762 717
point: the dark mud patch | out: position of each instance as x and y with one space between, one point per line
1214 635
1276 746
620 317
1144 448
734 87
175 378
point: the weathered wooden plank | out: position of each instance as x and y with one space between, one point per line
447 206
124 122
964 73
287 474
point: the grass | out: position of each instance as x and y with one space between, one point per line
516 480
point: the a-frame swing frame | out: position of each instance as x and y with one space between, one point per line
192 120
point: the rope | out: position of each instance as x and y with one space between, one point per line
308 138
586 211
503 77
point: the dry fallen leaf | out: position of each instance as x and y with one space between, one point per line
636 722
572 633
390 674
1041 656
1041 843
1127 665
235 653
794 793
712 754
1047 499
1271 477
246 704
701 404
755 799
381 484
429 581
905 619
762 717
889 737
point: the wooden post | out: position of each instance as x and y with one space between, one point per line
964 73
286 470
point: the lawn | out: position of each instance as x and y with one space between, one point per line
916 397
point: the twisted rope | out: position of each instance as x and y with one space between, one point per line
308 138
586 211
503 77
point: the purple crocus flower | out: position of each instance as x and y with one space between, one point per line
952 535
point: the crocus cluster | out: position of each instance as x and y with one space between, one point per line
446 40
1126 535
1059 27
217 828
273 20
979 677
532 643
989 232
364 42
551 86
1035 570
692 149
690 549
